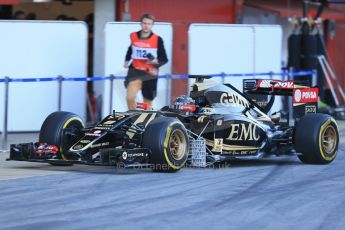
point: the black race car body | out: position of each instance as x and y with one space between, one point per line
216 122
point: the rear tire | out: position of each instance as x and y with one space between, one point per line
317 138
52 132
168 141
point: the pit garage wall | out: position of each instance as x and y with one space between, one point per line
255 16
181 13
336 46
336 49
235 49
51 9
40 49
117 41
334 39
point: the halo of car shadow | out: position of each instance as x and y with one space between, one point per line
286 161
271 161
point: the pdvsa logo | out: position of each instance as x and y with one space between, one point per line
298 95
305 95
309 95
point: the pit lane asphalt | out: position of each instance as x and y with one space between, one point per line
275 193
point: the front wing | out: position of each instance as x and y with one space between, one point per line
136 157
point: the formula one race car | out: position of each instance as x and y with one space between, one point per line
215 123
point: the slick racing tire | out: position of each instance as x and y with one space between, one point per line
53 132
168 141
316 138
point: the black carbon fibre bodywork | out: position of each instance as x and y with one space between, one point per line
230 122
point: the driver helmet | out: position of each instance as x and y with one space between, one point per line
184 103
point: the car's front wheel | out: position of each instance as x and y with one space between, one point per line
61 129
168 141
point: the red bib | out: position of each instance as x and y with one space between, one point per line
140 49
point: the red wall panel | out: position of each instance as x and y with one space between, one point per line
336 49
9 2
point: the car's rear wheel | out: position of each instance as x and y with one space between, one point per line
168 141
316 139
61 129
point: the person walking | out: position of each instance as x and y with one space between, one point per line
144 57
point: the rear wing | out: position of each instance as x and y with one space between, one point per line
304 98
270 87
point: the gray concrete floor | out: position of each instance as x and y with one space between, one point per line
274 193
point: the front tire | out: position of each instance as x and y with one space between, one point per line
53 132
168 141
317 138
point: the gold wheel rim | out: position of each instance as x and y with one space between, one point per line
177 144
329 139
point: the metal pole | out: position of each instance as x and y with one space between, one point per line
223 77
168 99
290 104
322 57
285 99
60 79
314 78
254 48
323 67
89 106
7 84
112 77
